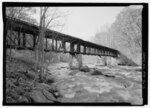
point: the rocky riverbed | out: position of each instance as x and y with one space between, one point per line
92 83
98 84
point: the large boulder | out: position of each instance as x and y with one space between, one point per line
42 96
43 93
49 95
96 72
38 97
85 69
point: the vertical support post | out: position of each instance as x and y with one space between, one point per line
64 45
24 40
19 39
84 49
34 41
56 44
94 51
52 44
81 48
78 48
87 50
71 47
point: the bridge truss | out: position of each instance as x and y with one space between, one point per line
24 35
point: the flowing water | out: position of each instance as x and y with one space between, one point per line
100 84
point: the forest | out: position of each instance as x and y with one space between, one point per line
125 35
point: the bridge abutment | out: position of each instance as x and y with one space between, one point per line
75 61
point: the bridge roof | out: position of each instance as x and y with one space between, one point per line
23 26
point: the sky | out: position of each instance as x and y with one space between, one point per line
84 22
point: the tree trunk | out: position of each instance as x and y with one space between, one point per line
41 54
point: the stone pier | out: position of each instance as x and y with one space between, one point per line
111 61
105 60
114 61
75 61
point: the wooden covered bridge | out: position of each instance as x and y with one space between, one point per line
25 35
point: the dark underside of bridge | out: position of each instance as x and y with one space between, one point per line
22 35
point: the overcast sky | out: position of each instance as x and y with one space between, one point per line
84 22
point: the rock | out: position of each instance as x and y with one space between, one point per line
43 93
49 95
107 75
49 79
23 99
96 72
30 75
85 69
38 97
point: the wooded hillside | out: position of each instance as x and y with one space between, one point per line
125 34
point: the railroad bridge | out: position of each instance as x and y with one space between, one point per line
26 35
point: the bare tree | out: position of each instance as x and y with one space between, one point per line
13 13
125 34
48 19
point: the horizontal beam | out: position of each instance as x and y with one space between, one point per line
28 28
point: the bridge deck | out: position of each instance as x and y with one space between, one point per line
27 34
